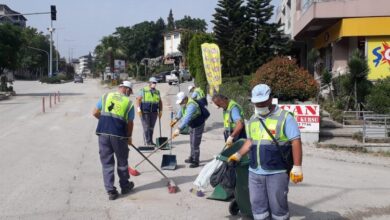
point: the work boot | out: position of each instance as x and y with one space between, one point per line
194 164
127 189
113 194
152 144
189 160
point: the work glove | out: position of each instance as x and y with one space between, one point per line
139 112
296 175
176 133
173 123
160 114
129 141
229 141
236 157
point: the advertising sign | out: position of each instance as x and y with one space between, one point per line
307 116
119 65
212 64
378 57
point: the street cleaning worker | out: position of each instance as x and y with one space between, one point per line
115 112
233 119
197 94
192 116
149 107
270 160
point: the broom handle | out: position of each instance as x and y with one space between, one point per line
154 151
155 167
170 147
159 121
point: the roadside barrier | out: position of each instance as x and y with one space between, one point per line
56 98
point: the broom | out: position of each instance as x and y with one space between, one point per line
172 187
134 171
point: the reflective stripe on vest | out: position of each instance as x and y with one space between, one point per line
150 100
200 93
114 115
228 123
259 135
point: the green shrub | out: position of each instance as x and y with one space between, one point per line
238 89
50 80
286 80
379 99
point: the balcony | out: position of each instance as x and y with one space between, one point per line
315 16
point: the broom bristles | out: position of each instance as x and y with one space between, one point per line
133 172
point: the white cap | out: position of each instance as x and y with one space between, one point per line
126 84
152 80
179 97
190 87
260 93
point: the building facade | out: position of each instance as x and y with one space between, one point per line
338 27
11 16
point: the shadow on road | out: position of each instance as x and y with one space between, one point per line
163 183
213 126
48 93
307 213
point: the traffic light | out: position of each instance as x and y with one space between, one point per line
53 12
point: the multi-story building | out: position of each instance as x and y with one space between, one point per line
285 16
338 27
11 16
84 64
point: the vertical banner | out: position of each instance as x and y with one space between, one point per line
212 66
378 57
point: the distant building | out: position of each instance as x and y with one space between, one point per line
84 64
8 15
285 16
172 55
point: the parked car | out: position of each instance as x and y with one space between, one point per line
78 79
161 77
175 75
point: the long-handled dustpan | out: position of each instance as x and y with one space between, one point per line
161 142
169 161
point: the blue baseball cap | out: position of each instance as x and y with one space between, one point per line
260 93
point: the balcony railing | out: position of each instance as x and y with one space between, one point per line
307 3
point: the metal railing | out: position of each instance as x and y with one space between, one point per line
355 118
376 127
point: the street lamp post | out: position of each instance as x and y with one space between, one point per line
48 58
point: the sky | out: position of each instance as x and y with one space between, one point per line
81 24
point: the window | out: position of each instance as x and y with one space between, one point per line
168 37
176 35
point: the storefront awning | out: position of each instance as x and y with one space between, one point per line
354 27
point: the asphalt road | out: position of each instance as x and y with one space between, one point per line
50 168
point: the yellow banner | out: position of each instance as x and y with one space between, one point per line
212 64
378 57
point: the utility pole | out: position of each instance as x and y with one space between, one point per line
53 13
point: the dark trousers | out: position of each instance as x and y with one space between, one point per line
195 139
148 122
108 147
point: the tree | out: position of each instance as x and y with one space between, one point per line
196 60
193 24
31 60
228 22
171 21
186 37
358 71
267 39
10 44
